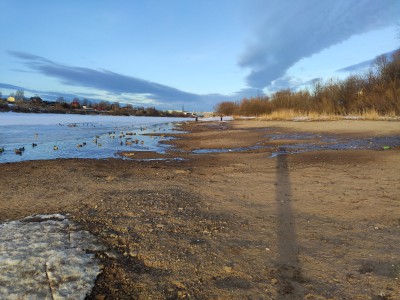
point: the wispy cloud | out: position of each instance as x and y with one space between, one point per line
10 86
292 30
105 80
365 64
286 82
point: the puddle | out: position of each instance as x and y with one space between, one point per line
225 150
332 143
292 136
47 257
316 142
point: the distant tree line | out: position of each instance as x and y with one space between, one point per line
17 102
378 89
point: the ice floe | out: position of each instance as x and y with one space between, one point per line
47 257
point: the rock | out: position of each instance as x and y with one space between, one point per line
133 253
227 269
178 284
110 255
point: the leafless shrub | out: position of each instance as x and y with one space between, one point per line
374 94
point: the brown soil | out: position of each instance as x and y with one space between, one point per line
236 225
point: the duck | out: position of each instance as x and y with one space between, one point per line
1 149
55 147
19 151
34 145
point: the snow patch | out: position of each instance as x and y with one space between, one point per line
47 257
213 119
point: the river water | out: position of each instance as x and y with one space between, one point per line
52 136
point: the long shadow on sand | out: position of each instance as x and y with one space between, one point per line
288 271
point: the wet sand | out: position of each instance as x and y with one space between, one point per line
234 225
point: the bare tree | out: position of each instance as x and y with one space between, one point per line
60 100
19 95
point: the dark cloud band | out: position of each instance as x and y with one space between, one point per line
105 80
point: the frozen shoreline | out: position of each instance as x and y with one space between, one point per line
11 118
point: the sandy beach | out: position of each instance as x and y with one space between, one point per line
231 224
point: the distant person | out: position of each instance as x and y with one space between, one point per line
196 119
221 118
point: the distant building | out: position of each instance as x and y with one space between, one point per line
86 108
185 113
11 99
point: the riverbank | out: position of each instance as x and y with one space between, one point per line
231 225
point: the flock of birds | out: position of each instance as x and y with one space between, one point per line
126 138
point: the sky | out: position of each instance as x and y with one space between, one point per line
170 54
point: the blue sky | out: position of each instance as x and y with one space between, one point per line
169 53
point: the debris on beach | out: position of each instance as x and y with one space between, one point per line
47 257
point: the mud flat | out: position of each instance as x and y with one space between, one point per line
233 224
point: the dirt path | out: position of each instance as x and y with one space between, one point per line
318 225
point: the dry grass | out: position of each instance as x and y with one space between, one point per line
292 115
372 114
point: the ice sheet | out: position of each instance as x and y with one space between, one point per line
11 118
78 136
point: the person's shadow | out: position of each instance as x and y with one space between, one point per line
288 271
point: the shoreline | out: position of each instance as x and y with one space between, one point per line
320 225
